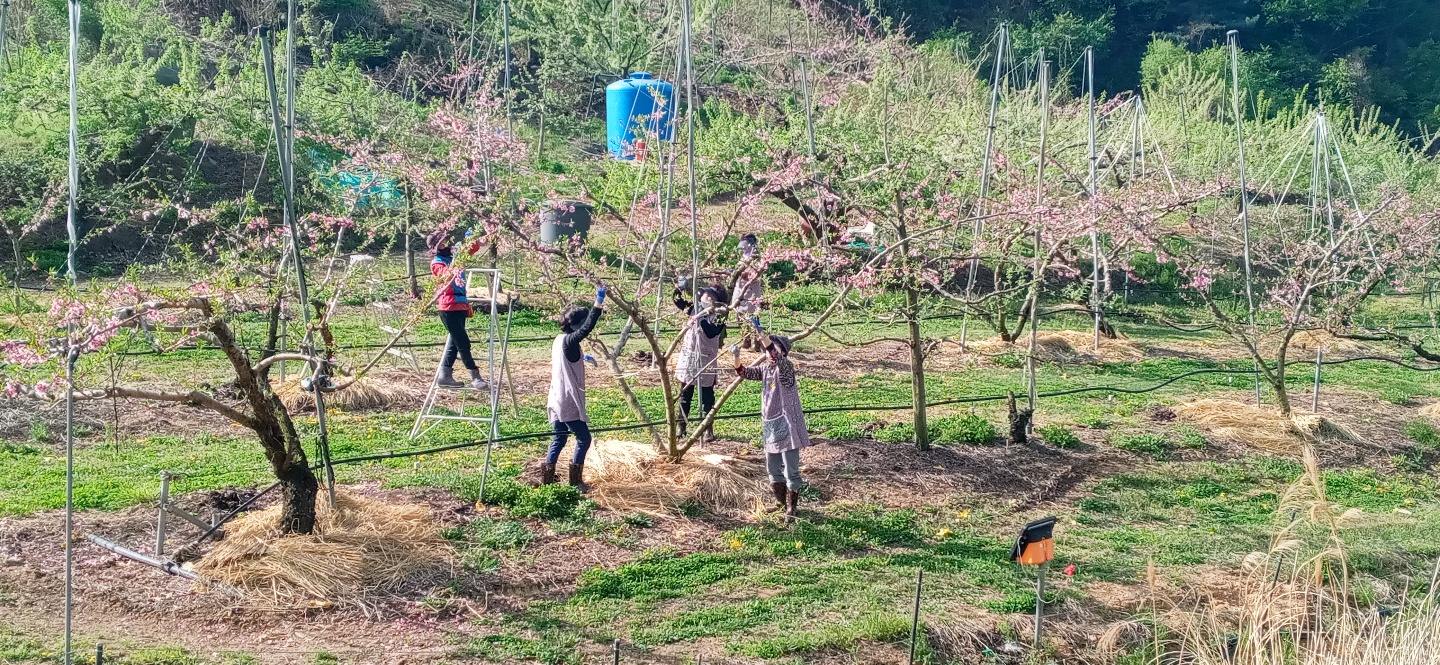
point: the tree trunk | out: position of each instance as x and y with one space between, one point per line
917 344
409 250
1019 422
276 431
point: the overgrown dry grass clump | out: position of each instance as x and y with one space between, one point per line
370 393
627 477
1064 346
1262 429
1295 607
360 549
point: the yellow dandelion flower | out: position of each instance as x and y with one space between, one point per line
942 533
964 514
736 544
799 545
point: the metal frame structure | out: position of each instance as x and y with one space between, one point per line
168 509
428 414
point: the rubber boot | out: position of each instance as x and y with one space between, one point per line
682 427
709 435
547 474
447 378
476 382
577 475
779 490
792 505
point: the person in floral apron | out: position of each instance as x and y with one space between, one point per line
699 353
747 288
782 423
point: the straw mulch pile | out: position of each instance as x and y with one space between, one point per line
1064 345
370 393
1431 411
1309 340
631 477
360 549
1261 429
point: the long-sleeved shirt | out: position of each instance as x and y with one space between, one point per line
452 299
700 350
779 401
566 400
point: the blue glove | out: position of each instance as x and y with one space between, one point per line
756 321
591 359
600 296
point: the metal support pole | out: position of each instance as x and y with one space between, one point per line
99 654
1094 234
690 163
982 201
160 516
72 227
1036 279
1234 39
1039 600
1315 398
505 20
615 649
915 615
284 145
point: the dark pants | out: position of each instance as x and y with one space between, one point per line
687 395
562 433
459 339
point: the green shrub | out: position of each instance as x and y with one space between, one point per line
896 433
1095 422
1190 437
1058 436
968 428
547 501
1396 396
1009 359
657 575
806 298
1424 433
1153 445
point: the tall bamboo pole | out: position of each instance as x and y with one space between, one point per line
72 227
1037 279
982 202
690 161
1094 219
1234 39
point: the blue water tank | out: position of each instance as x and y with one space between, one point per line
630 106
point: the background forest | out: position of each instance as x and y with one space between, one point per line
1359 53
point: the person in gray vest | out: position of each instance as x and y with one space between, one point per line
566 404
699 353
747 287
782 419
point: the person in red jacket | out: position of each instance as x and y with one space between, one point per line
454 310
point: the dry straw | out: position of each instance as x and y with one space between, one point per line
1294 606
626 476
369 393
1065 346
360 549
1262 429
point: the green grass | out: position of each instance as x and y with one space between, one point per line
1147 443
1058 436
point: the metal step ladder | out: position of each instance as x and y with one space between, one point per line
487 351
